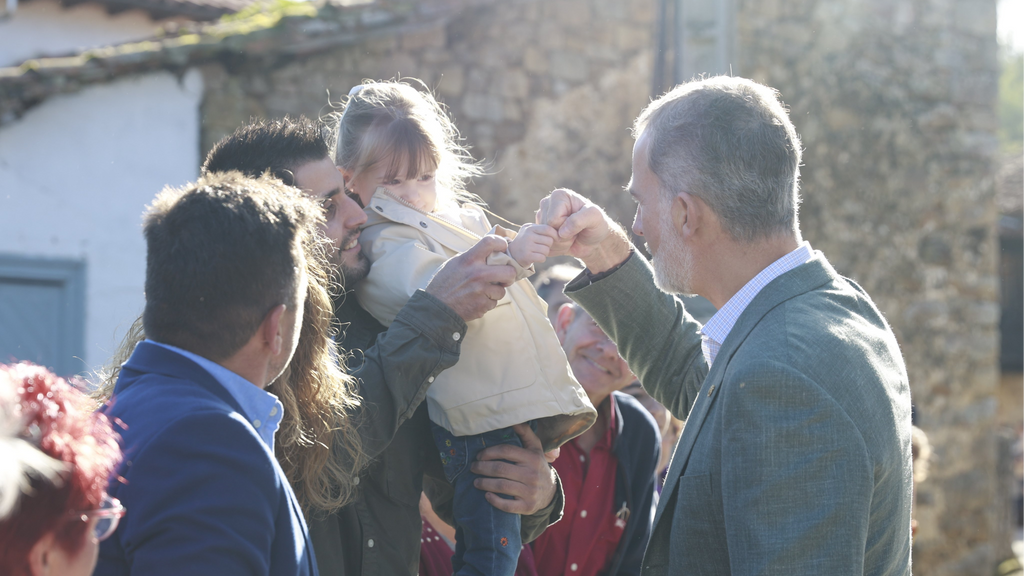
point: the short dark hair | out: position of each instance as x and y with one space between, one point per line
220 254
279 146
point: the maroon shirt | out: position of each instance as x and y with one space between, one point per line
584 541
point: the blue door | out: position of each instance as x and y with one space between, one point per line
42 312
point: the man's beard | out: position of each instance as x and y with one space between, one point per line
348 275
673 264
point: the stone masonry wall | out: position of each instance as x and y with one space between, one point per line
894 100
544 92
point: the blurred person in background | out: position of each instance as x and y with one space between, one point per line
549 285
608 472
669 426
56 455
921 452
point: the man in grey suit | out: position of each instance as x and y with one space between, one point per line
795 457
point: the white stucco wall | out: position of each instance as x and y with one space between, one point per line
76 173
44 28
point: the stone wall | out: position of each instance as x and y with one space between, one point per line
895 103
894 99
543 91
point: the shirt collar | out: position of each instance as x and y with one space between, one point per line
714 333
261 408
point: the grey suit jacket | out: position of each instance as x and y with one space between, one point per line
795 457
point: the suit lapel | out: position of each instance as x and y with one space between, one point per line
698 413
800 280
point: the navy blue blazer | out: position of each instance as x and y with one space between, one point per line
203 493
637 447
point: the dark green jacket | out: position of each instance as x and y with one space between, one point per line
379 533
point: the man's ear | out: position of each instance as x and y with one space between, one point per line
686 211
270 329
679 210
566 314
345 174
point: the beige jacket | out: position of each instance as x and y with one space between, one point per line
511 367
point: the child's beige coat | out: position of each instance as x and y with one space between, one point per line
511 367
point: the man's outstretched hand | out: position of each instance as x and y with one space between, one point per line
468 284
584 230
522 473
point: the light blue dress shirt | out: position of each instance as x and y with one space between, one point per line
714 333
261 408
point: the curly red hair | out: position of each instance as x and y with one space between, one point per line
59 420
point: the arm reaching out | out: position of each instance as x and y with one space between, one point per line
533 244
584 231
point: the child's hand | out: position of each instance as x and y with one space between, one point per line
533 244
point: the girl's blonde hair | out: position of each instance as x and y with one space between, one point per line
317 443
394 123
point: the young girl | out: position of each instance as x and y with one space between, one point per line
399 153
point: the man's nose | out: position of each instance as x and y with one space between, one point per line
638 227
354 214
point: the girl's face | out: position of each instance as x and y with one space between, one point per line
420 192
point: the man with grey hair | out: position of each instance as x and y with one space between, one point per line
795 457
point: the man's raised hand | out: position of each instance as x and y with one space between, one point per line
468 284
584 230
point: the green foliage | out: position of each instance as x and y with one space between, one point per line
268 13
1011 103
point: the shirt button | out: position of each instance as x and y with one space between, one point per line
273 411
456 336
583 513
256 423
583 458
356 481
423 224
573 567
431 379
369 543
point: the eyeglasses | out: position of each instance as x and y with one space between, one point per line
109 514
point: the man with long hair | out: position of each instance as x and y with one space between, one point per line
379 532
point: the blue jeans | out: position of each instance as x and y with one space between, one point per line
487 540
